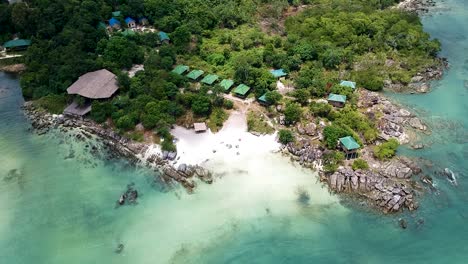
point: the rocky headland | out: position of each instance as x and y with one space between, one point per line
389 185
117 146
417 6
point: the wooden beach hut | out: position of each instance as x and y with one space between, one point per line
17 44
241 91
226 84
180 69
195 75
200 127
210 79
349 84
337 100
349 146
131 23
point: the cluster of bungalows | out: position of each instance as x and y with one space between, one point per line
16 44
240 91
348 144
115 24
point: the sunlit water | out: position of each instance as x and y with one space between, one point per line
59 204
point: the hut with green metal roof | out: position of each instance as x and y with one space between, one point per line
349 84
349 146
337 100
280 73
17 44
116 13
226 84
164 37
195 74
241 91
210 79
180 69
263 100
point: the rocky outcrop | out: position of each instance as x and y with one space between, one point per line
388 188
417 6
420 83
118 146
394 120
13 68
307 154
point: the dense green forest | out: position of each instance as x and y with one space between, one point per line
318 42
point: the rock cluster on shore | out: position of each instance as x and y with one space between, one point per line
417 6
388 187
120 147
394 119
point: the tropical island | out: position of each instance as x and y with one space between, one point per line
312 71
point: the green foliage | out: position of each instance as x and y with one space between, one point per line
217 118
100 111
54 104
273 97
386 150
256 123
285 136
320 109
119 52
360 164
292 113
228 104
332 160
370 79
201 105
356 121
334 132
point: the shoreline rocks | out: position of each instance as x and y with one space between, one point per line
416 6
119 147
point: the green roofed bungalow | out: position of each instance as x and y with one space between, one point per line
349 84
195 74
226 84
180 69
241 91
278 73
163 37
116 13
337 100
263 100
17 44
349 147
210 79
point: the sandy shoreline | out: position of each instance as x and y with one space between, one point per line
231 143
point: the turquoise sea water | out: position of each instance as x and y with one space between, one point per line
59 204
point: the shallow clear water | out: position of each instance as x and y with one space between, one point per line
60 208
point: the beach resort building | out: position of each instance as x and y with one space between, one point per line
17 44
200 127
349 84
195 75
279 73
101 84
114 23
181 69
263 100
163 37
241 91
131 23
349 146
226 84
337 100
210 79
